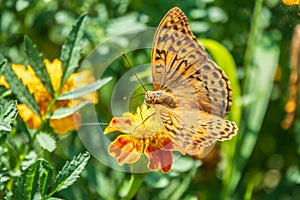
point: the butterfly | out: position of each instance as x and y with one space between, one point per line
192 95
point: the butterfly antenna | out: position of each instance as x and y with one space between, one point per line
125 98
131 68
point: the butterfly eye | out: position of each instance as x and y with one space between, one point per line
159 94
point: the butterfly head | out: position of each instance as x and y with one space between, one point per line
151 97
164 98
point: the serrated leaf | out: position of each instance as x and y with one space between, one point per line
64 112
36 62
28 160
84 90
70 172
31 181
4 126
28 182
46 141
45 177
8 113
19 189
71 51
19 89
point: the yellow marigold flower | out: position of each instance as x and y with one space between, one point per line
43 97
144 134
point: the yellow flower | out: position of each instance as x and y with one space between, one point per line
291 2
144 134
43 97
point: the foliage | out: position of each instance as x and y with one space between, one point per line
249 40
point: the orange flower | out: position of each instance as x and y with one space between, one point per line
291 2
43 97
144 134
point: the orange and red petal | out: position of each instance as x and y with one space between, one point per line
159 159
126 149
119 124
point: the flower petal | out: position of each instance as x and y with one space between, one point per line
125 149
32 82
32 120
66 124
159 159
3 82
54 70
119 124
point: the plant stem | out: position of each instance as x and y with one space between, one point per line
136 181
48 112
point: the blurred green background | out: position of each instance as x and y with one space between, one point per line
256 33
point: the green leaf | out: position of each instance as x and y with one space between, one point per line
45 176
19 89
3 137
4 92
36 62
39 173
8 113
136 182
28 182
31 182
70 172
64 112
84 90
46 141
4 126
71 51
184 164
19 189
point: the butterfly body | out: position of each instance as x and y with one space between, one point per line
192 95
164 98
